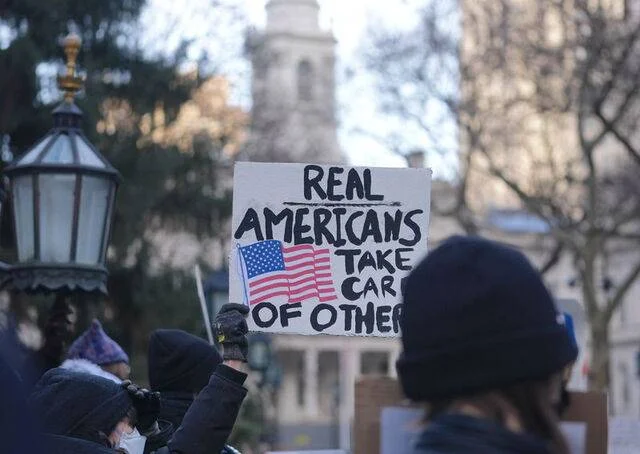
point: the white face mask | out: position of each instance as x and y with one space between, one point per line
132 443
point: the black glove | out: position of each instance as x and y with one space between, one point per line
231 331
146 403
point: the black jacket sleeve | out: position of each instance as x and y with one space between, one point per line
210 418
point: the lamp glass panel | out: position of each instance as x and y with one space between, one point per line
87 156
22 189
56 196
60 152
92 218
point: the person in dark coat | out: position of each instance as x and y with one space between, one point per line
18 431
180 365
201 390
484 349
82 413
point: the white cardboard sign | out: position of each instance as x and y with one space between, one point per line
325 249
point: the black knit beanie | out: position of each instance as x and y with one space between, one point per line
180 362
477 317
79 404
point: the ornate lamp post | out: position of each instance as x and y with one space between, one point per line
62 192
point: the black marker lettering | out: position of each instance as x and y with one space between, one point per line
395 317
392 226
338 213
348 315
381 258
257 318
365 261
347 288
417 235
387 286
370 286
349 228
321 218
249 222
315 313
349 258
367 187
366 318
354 184
382 318
271 219
333 183
300 228
312 182
371 227
288 311
400 260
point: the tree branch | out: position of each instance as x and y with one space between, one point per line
609 127
622 290
617 68
553 259
534 204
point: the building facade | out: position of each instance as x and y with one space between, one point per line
293 86
294 120
517 61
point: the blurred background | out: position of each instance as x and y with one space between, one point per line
526 110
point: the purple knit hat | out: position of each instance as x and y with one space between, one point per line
94 345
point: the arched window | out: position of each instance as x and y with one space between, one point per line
305 81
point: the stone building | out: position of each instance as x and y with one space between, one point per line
517 94
293 86
293 64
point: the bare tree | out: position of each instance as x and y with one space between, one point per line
547 108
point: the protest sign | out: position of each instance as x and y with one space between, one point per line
322 451
624 436
400 428
379 401
590 407
325 249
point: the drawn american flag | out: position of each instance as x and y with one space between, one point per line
299 272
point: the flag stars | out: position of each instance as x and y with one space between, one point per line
263 257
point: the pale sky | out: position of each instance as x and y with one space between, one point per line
222 38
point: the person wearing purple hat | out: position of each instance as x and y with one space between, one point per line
95 348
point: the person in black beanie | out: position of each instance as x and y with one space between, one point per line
484 348
86 414
201 390
180 365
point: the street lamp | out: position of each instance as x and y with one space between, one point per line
6 156
62 192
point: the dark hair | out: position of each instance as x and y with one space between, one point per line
103 438
132 414
531 401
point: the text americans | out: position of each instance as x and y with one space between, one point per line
336 226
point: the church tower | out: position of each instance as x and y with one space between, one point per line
293 86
